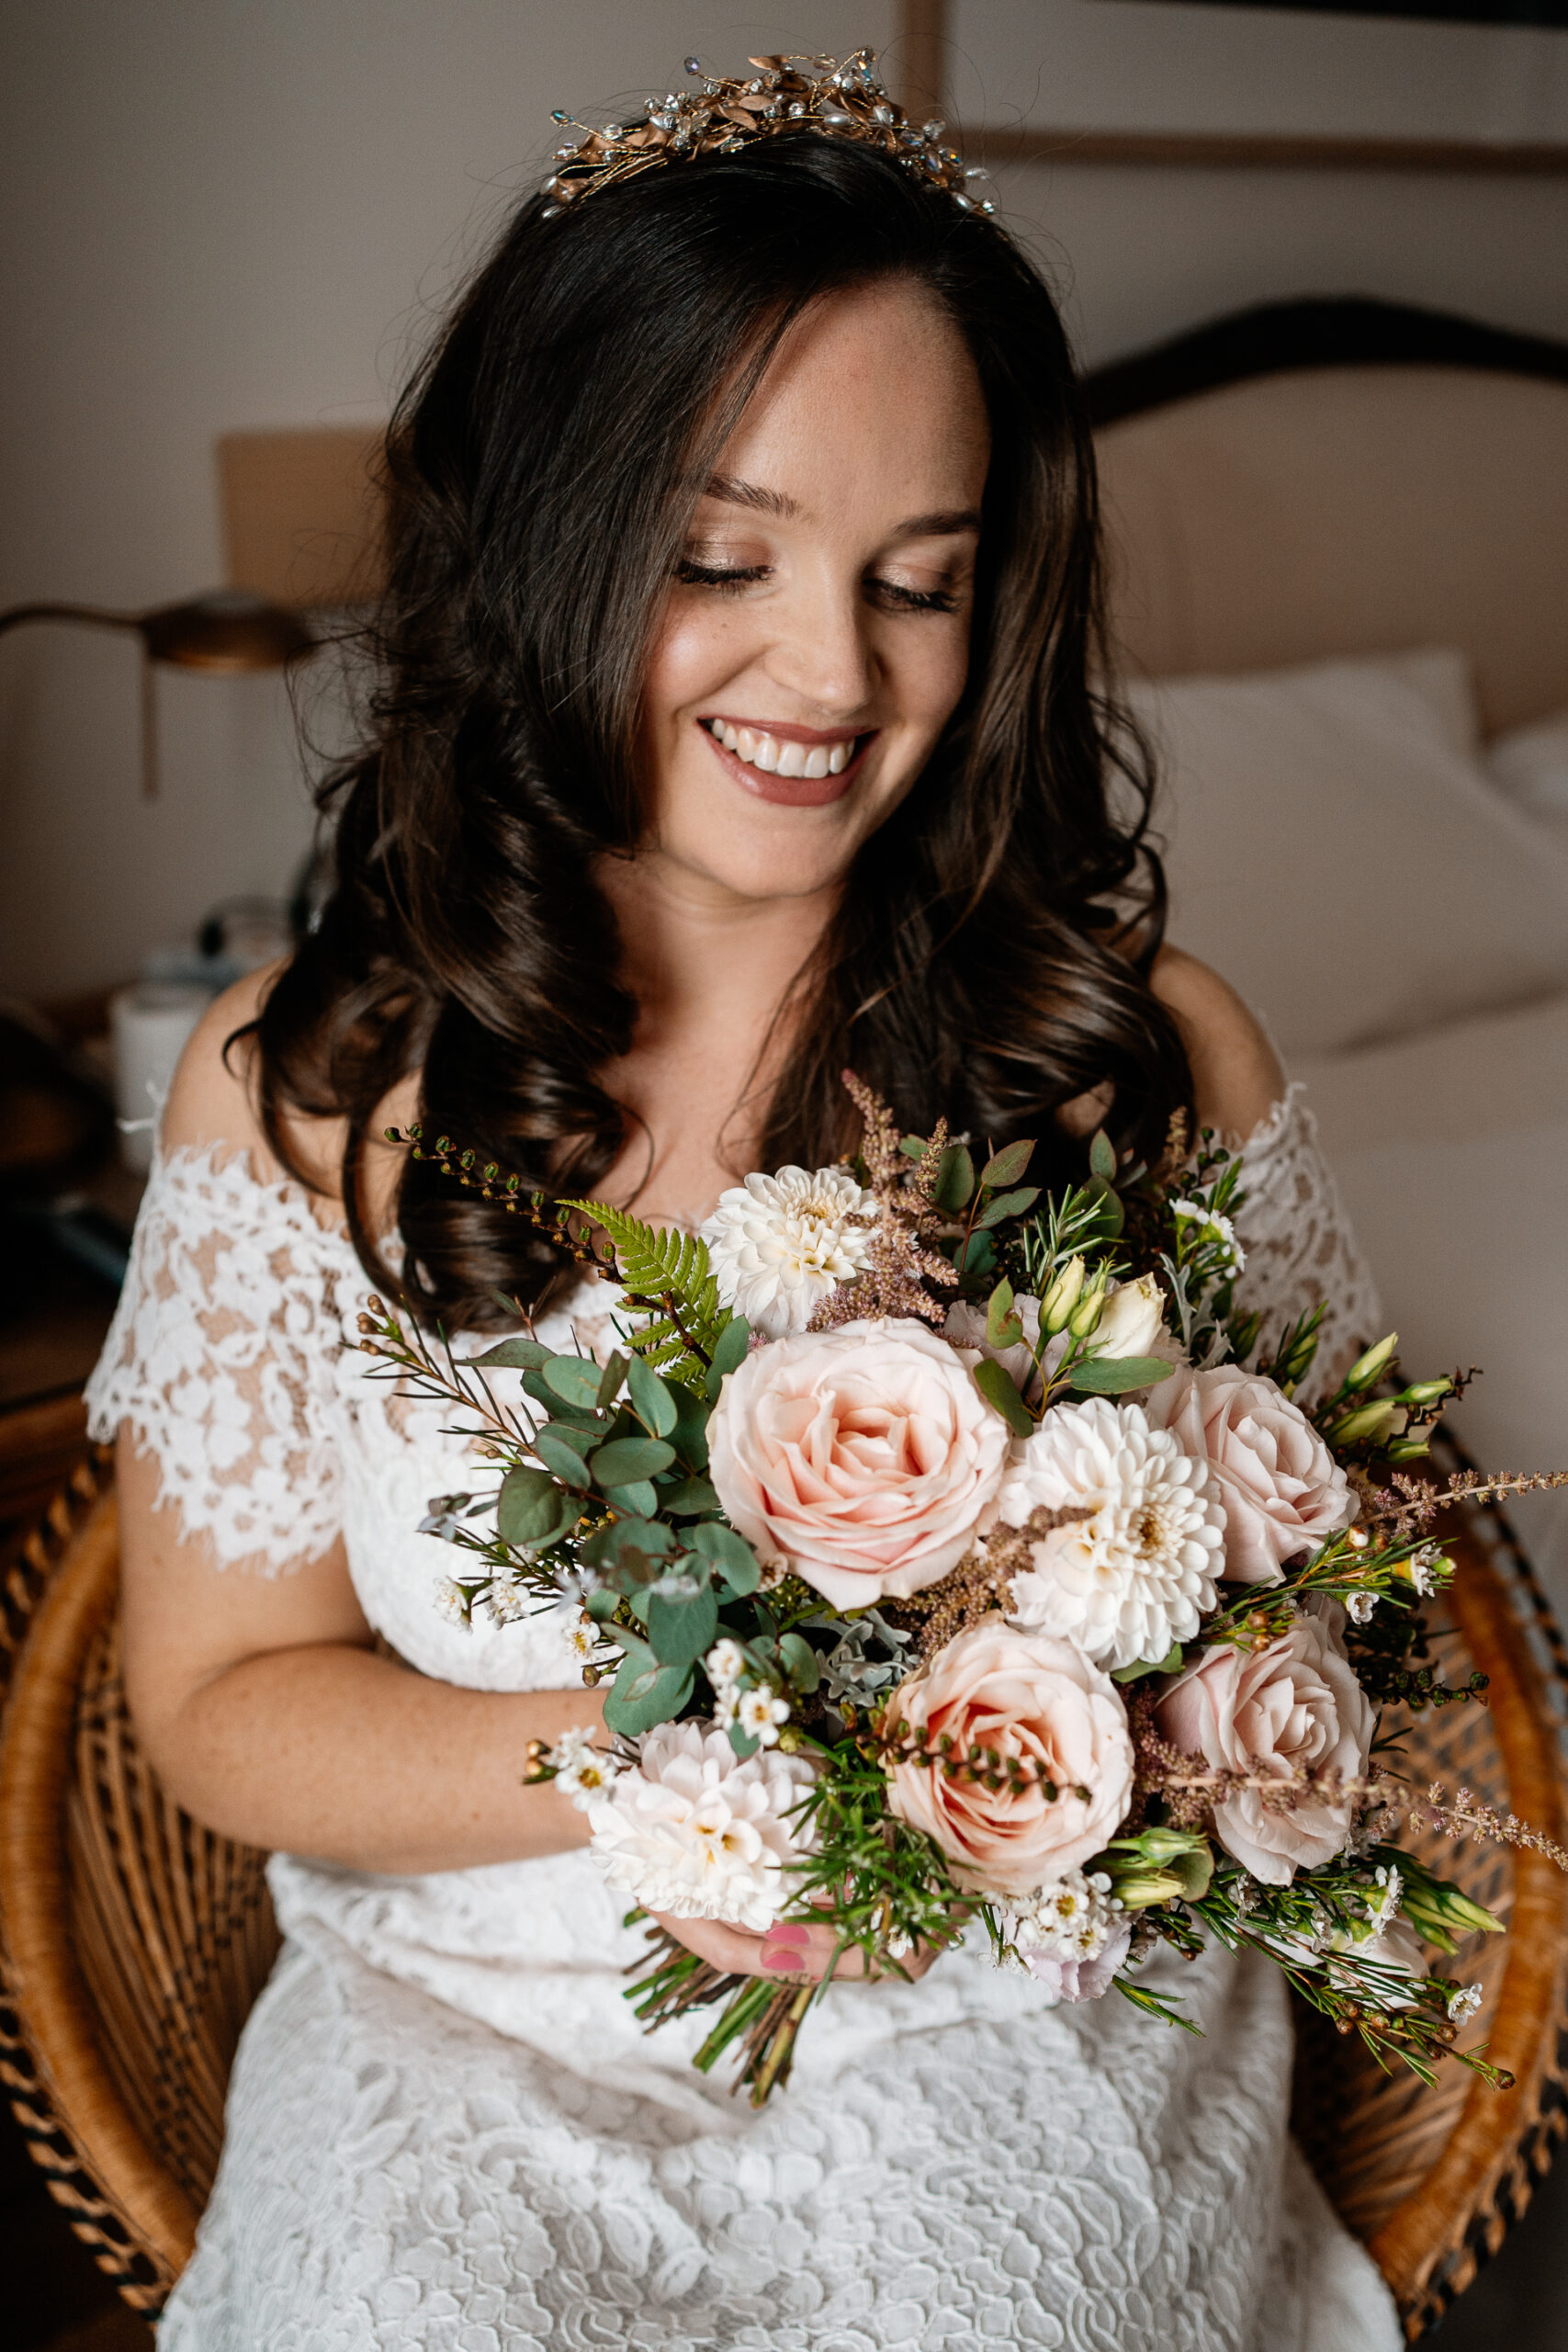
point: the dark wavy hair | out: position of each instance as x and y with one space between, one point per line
990 956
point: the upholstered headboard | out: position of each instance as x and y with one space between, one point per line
1342 477
1307 479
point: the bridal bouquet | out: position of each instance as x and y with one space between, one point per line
959 1559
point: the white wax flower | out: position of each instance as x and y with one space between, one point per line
693 1831
779 1245
1210 1226
1137 1572
582 1772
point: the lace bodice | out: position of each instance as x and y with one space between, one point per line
446 2129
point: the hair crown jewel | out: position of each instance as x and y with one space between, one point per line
838 99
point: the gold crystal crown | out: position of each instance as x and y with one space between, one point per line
839 101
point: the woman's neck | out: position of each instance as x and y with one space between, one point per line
712 973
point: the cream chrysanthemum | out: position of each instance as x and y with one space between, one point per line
693 1831
1134 1572
779 1245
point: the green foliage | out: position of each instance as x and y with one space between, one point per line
991 1379
669 1272
682 1624
1113 1376
531 1509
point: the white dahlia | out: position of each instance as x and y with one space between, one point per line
693 1831
1136 1569
778 1245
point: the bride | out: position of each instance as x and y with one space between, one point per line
737 720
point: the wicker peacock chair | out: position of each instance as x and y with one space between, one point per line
134 1941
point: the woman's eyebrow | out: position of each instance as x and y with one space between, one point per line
944 523
750 494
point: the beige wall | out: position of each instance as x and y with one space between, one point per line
223 213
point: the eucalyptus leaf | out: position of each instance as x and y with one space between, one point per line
1007 1205
729 1554
690 1435
651 1400
521 1354
954 1179
1113 1376
1102 1154
637 1500
627 1459
610 1380
742 1742
912 1147
1007 1165
529 1506
575 1379
978 1255
624 1541
730 1353
658 1700
800 1663
602 1603
1003 1328
692 1497
579 1417
683 1630
561 1450
995 1387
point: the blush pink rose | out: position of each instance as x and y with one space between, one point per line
865 1459
1029 1696
1292 1707
1283 1490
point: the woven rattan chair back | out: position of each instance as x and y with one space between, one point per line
134 1942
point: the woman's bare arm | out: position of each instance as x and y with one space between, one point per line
261 1700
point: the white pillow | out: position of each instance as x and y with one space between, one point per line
1531 766
1335 851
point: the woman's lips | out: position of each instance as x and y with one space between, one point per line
789 742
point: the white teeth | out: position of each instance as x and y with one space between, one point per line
762 750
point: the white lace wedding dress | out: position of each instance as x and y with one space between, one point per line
445 2130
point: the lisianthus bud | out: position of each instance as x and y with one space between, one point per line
1086 1313
1365 1369
1426 1392
1371 1423
1061 1296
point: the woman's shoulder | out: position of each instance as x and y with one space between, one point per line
214 1110
1236 1076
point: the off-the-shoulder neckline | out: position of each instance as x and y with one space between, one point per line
233 1167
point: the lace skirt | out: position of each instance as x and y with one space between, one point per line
954 2165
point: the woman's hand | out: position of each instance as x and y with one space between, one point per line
793 1951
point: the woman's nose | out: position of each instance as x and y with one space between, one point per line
821 652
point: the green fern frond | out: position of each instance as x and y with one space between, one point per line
662 1267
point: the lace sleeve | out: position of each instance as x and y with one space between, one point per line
220 1359
1299 1244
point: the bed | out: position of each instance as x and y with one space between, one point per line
1339 598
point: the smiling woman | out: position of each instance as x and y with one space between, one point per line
790 445
734 723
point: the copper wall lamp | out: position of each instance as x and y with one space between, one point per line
226 633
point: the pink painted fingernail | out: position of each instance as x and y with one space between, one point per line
782 1960
788 1931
